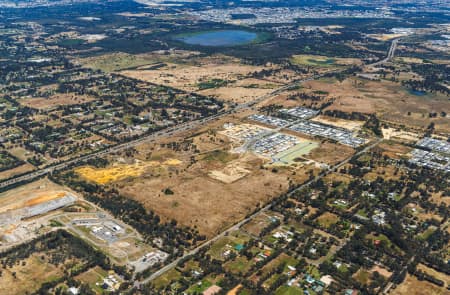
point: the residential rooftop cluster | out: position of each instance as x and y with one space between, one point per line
245 132
269 120
274 144
300 112
435 145
279 15
340 135
430 159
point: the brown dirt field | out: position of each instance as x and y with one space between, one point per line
242 90
235 290
235 94
389 100
330 153
44 198
391 133
55 100
15 171
382 271
31 194
393 150
412 286
202 202
29 277
347 124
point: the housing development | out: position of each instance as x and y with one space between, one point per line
213 147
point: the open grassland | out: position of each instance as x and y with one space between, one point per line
330 153
412 286
390 101
121 61
28 276
438 275
393 150
58 99
323 61
200 201
327 219
16 171
92 277
223 77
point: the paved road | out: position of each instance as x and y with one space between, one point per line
235 227
390 55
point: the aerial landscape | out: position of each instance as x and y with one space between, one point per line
225 147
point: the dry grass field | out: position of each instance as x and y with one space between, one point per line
412 286
28 276
16 171
390 101
347 124
58 99
199 200
393 150
330 153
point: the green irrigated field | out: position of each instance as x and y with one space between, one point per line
291 155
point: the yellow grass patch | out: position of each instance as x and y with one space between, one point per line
120 171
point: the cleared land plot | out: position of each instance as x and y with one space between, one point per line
255 226
191 77
347 124
31 194
393 150
396 134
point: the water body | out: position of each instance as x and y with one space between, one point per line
417 92
219 38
